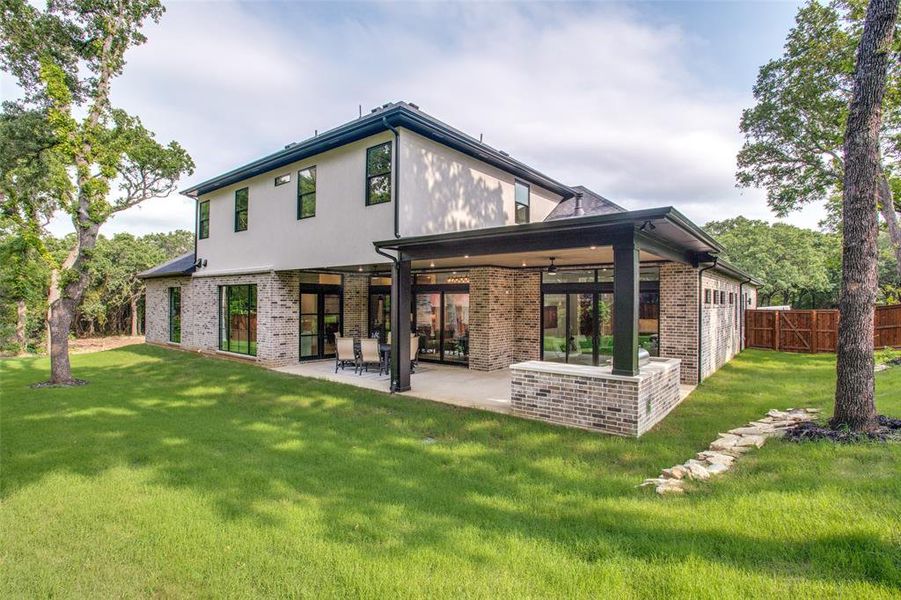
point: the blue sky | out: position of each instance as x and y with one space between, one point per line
638 101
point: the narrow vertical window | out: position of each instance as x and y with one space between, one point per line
378 174
521 198
175 315
203 220
707 296
306 193
241 198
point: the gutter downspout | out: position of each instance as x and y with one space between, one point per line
396 168
741 315
701 310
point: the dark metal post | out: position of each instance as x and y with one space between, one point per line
401 301
625 305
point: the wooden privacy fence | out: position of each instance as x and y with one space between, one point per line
814 330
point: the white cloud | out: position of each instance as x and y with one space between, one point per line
591 95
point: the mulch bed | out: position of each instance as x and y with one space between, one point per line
48 384
889 429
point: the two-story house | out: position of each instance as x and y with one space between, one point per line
396 222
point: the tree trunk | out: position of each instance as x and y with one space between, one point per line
855 406
134 316
61 314
887 204
21 320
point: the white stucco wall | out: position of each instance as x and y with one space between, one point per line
340 234
443 190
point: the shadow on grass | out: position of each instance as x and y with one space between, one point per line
249 440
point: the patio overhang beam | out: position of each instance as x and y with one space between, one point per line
662 231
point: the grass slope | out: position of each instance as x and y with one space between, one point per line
176 475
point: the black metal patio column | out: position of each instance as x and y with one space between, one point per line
625 304
401 301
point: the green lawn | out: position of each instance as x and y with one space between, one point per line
174 475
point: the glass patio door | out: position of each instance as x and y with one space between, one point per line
442 323
320 322
571 327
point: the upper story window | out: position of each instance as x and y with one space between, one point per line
203 220
241 200
521 198
378 174
306 193
283 179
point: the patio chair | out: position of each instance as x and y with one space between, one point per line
344 353
369 355
414 352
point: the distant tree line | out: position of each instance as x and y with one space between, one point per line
799 267
113 303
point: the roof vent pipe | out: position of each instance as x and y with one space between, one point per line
579 211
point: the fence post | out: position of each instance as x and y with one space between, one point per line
778 331
814 332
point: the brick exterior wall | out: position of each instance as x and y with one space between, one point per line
356 305
679 317
491 331
721 339
277 313
526 316
592 398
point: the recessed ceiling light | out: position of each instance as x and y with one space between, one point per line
523 263
360 269
593 247
431 264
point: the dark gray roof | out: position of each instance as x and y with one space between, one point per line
592 204
179 267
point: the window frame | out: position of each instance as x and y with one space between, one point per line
246 210
388 174
707 294
174 291
201 221
301 195
517 203
225 294
282 179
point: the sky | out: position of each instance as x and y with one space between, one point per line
639 102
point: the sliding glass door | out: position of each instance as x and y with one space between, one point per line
320 322
441 320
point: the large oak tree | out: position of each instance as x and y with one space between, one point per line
65 58
864 182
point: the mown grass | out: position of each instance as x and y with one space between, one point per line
175 475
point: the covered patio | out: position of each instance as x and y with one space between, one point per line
440 383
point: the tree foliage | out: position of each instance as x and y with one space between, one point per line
65 58
795 131
798 266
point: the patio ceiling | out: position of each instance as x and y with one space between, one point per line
599 255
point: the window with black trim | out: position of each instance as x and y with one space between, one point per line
306 193
707 296
521 201
238 319
175 315
378 174
731 297
241 201
203 220
283 179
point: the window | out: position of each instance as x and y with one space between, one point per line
238 319
306 193
378 174
282 179
707 296
731 297
521 198
241 198
175 315
203 220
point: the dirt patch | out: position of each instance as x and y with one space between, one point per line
99 344
889 429
47 384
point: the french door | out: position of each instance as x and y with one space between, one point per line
576 327
441 319
320 321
